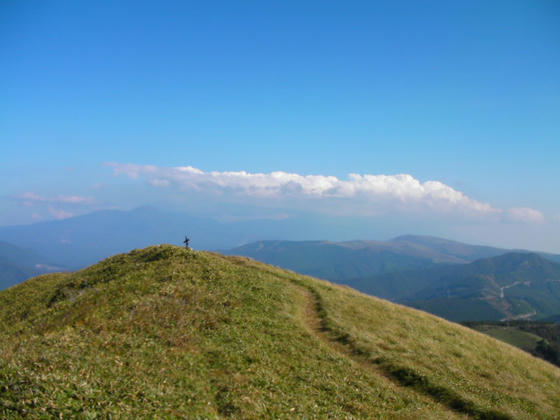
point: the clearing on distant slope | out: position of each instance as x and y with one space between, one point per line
168 332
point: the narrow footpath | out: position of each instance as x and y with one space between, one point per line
314 323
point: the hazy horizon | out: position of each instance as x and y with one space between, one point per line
300 227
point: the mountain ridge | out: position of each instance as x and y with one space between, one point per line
347 260
166 331
510 286
83 240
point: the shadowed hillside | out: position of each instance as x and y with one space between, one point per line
173 333
510 286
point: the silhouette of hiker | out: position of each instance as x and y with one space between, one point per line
186 242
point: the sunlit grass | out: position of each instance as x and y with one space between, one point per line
167 332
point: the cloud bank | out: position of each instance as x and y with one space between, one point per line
363 194
385 192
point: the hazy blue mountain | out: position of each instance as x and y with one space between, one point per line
334 261
461 251
11 274
351 262
79 241
83 240
445 250
18 264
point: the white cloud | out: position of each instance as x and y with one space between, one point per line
384 192
57 206
525 215
30 197
60 214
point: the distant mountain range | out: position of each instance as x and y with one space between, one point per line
354 260
510 286
336 261
18 264
430 273
79 241
83 240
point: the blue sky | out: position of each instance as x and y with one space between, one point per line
463 93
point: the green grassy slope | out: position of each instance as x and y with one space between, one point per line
541 339
169 333
518 338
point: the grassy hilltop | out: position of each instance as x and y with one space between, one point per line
166 332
